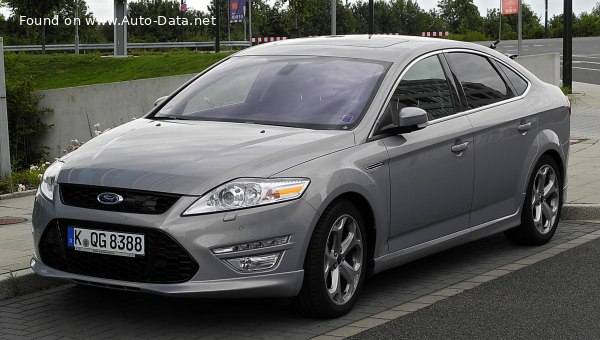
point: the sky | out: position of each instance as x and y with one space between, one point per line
103 9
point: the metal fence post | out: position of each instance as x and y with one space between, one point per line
4 143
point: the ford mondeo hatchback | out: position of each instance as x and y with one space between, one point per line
301 167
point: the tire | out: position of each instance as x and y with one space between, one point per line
327 262
542 206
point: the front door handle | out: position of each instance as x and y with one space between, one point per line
524 127
459 147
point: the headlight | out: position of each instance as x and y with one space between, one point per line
247 193
49 180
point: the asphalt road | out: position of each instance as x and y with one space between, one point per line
557 298
586 54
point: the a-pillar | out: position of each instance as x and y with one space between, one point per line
120 40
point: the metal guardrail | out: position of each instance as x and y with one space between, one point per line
68 47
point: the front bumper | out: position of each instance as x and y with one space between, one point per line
198 235
267 285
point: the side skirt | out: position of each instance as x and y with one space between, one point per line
449 241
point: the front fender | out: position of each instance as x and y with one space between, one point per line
345 172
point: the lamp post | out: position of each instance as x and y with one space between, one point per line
371 17
4 143
76 26
568 46
500 22
120 41
218 28
520 28
333 18
546 21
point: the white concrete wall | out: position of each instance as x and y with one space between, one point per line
544 66
77 109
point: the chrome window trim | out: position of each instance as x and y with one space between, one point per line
458 114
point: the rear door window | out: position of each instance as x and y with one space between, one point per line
480 81
517 81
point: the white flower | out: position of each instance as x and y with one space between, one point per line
21 187
97 125
97 133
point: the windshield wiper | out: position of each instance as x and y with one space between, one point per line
169 118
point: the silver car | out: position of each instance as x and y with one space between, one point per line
300 168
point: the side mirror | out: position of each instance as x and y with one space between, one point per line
409 119
160 100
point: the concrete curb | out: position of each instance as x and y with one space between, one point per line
581 212
18 194
22 282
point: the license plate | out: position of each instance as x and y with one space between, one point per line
106 242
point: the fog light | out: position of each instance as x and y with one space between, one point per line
32 262
252 245
255 263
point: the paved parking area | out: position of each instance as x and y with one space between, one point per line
16 245
74 312
585 121
556 299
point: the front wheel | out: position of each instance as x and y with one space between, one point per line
542 206
335 264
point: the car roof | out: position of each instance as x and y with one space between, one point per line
376 47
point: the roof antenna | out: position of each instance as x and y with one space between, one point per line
495 44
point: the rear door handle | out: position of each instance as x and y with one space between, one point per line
459 148
524 127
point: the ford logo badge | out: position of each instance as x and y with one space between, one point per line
110 198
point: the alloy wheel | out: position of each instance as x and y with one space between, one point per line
343 259
545 199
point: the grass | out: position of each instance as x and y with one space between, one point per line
66 70
566 90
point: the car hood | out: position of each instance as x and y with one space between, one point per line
192 157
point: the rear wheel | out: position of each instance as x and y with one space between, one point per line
542 206
335 264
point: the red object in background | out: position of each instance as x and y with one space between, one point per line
510 6
234 6
183 6
435 34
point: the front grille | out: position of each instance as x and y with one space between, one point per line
134 201
165 261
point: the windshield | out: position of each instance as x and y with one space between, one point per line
313 92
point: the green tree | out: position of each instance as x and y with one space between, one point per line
461 15
154 32
34 9
88 34
25 118
587 25
532 27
